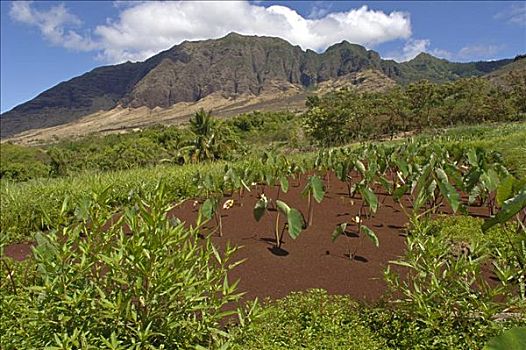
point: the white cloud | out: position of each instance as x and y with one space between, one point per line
413 47
54 24
145 28
319 9
473 52
515 14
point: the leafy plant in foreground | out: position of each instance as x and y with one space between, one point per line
158 286
512 339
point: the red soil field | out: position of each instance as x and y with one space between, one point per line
313 260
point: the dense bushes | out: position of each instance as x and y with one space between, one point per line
311 320
23 163
222 139
346 115
92 288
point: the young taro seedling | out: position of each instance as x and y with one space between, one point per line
295 222
313 189
370 199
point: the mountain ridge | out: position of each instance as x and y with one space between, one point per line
233 65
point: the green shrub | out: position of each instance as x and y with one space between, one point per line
21 163
445 298
310 320
159 288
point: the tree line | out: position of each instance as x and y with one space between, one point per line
348 115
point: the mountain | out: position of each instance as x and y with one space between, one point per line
509 73
233 67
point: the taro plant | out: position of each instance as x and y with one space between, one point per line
341 230
369 200
429 186
512 339
313 189
210 209
324 162
512 267
483 177
233 180
295 222
213 188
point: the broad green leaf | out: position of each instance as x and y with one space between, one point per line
295 221
284 183
472 157
386 184
282 207
208 208
505 189
512 339
509 208
490 179
340 230
370 233
402 166
400 191
360 166
423 180
455 175
450 194
260 208
471 179
341 171
370 198
317 188
441 175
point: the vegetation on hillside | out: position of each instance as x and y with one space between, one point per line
346 115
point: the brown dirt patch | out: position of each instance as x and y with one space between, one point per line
312 260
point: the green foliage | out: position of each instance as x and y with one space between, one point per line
310 320
295 222
22 163
294 218
443 289
211 140
346 115
89 286
510 208
402 331
512 339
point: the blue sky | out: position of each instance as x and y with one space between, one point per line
44 43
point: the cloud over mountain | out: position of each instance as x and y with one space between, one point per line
143 29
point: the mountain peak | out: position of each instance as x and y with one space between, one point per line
424 56
231 66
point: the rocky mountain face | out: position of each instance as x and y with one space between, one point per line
234 65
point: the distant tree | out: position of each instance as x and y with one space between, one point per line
211 139
422 96
517 83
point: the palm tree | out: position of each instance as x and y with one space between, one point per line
211 140
202 126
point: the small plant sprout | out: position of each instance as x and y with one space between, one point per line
294 218
341 229
313 188
210 209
